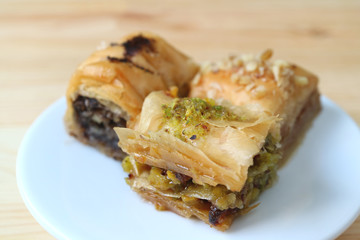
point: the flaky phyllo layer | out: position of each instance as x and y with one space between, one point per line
198 157
175 185
211 150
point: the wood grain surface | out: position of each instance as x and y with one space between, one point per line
42 42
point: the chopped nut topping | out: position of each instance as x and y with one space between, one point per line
287 72
240 79
237 61
259 91
301 80
266 55
251 66
240 71
245 80
282 72
245 67
224 65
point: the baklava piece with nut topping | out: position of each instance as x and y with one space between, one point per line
201 157
281 88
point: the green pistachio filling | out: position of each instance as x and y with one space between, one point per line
261 175
185 118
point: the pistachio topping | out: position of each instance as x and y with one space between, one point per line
185 118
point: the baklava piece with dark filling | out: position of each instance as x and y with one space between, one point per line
108 89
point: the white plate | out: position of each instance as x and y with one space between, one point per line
75 192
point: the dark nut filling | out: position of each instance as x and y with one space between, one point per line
97 123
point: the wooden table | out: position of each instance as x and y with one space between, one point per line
42 42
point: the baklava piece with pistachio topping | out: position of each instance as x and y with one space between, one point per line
201 157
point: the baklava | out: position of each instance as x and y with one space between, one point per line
201 157
211 154
108 89
281 88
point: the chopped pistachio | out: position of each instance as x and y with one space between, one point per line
185 118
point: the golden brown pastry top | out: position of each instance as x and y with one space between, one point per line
125 72
222 156
278 87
